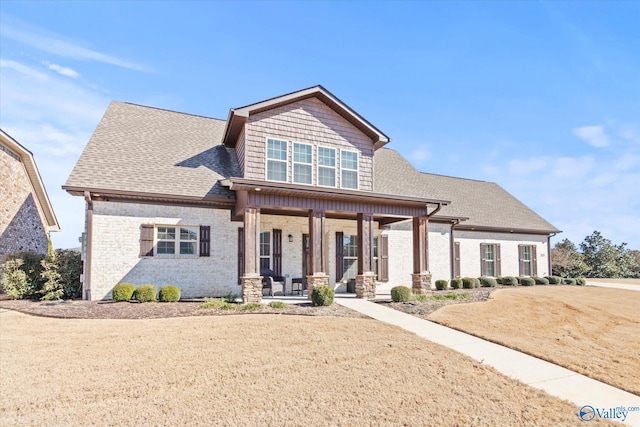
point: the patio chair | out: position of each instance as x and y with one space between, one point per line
274 286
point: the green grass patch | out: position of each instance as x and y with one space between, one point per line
449 296
218 303
277 304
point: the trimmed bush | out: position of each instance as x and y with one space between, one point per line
468 282
456 283
145 293
581 281
527 281
400 294
554 280
509 281
169 294
499 280
488 282
322 295
540 280
442 285
277 304
568 281
123 291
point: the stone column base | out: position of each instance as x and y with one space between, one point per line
251 288
421 283
316 279
366 285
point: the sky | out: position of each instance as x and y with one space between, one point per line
541 97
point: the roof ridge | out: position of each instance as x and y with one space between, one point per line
170 111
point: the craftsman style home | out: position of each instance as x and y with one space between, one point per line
299 186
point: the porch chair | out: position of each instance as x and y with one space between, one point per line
275 286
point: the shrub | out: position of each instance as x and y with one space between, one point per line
277 304
540 280
230 298
580 281
251 306
499 280
29 285
52 286
123 292
442 285
145 293
519 279
169 294
468 282
554 280
422 297
322 295
217 303
400 294
456 283
15 281
488 282
70 268
509 281
527 281
568 281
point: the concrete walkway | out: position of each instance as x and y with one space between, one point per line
613 285
553 379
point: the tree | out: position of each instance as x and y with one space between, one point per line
635 269
605 259
51 288
566 261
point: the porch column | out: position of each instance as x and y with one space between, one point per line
317 256
366 278
421 277
251 281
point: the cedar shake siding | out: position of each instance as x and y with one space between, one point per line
308 121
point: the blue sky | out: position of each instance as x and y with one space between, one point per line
540 97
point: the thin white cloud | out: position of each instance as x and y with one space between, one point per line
593 135
420 155
23 69
53 43
65 71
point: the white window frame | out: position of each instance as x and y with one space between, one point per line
491 261
335 167
176 240
267 159
268 256
349 257
356 170
294 163
527 263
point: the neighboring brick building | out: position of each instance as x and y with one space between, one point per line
26 214
300 184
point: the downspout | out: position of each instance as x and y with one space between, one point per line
452 254
429 215
549 252
86 285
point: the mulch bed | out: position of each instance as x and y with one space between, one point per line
425 308
77 309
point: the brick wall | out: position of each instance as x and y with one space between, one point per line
22 225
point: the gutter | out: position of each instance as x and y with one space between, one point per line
549 251
86 284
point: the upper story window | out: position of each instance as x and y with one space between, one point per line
326 166
276 160
349 169
177 240
302 163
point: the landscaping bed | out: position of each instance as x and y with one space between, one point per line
438 299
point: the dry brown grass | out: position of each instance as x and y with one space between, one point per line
250 370
593 331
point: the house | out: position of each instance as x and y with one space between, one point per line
26 214
300 184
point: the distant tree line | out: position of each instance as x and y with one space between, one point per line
597 258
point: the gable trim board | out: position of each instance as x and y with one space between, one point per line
175 168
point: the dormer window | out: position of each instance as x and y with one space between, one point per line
276 160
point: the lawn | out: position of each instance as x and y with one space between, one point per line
250 370
590 330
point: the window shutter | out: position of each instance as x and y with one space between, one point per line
240 254
384 258
205 240
520 260
146 239
534 261
456 260
277 252
483 266
497 263
339 255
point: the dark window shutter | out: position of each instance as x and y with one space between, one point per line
483 266
240 254
277 252
456 260
497 262
521 260
384 258
534 261
205 240
339 255
146 239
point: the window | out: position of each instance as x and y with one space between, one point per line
375 254
265 250
526 260
302 160
349 169
489 261
349 256
326 166
276 160
177 240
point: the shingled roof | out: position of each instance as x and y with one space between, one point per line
148 150
485 204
